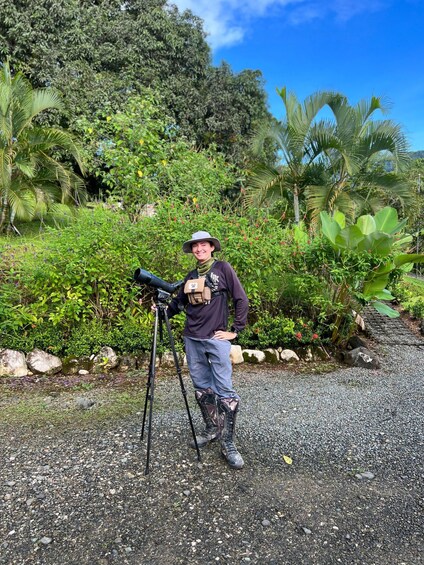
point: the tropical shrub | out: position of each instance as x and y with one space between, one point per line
71 277
139 156
79 280
72 291
410 293
376 243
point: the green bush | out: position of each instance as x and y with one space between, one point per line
43 336
410 293
268 331
68 279
253 249
417 308
71 291
140 156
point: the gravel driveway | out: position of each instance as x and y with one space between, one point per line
74 492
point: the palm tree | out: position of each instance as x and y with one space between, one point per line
294 142
30 168
362 158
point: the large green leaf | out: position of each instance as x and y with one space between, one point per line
403 241
384 309
400 226
340 218
330 228
408 258
384 295
383 269
376 284
349 237
366 224
376 242
386 219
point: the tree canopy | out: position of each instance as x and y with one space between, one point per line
98 52
349 163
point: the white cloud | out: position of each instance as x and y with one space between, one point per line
227 21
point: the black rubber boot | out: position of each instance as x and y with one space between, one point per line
206 399
227 409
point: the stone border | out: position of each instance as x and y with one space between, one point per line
17 364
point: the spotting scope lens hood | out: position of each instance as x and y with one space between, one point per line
144 277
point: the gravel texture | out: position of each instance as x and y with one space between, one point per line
349 489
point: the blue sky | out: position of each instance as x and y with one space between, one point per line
358 47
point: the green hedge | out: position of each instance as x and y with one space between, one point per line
70 291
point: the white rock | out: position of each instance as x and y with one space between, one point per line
12 363
253 356
236 355
288 355
44 363
105 360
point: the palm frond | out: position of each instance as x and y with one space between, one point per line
21 202
262 180
45 99
318 198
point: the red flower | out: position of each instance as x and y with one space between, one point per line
315 336
298 335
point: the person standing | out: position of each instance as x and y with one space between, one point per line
204 297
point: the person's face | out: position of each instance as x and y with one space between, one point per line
202 250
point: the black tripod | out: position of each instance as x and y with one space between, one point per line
162 300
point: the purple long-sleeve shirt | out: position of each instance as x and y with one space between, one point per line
203 320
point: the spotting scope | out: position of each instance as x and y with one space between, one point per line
144 277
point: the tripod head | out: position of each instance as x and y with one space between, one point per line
162 298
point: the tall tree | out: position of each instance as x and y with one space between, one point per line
30 170
296 145
96 52
234 105
100 52
363 157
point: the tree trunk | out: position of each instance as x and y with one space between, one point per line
3 212
296 204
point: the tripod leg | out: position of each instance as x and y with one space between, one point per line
183 390
150 392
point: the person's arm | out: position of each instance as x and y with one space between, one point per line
241 305
240 301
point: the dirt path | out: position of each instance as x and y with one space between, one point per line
73 489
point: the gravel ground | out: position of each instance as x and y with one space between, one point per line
76 493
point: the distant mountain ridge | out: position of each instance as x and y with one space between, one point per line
416 154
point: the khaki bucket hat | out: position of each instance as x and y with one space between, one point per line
201 236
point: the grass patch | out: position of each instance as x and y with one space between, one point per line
61 411
316 368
